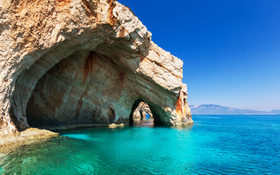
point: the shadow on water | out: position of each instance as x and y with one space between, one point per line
84 151
237 145
143 123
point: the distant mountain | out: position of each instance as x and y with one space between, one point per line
218 109
275 111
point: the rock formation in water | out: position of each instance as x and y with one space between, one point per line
74 62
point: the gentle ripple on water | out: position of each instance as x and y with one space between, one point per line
214 145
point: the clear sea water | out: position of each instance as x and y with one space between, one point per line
213 145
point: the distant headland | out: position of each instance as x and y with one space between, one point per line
208 109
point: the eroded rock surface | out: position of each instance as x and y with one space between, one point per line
141 111
67 62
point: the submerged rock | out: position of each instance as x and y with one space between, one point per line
11 141
113 125
72 62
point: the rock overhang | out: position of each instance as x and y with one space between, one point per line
40 38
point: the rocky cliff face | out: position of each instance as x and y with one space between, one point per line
66 62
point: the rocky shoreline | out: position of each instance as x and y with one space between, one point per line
10 141
31 135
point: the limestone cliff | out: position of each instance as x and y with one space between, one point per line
71 62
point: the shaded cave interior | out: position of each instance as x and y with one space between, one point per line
71 92
81 89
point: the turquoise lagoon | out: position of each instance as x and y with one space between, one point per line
213 145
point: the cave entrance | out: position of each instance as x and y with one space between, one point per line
143 115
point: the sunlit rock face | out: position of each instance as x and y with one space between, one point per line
72 62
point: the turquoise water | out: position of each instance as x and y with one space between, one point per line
214 145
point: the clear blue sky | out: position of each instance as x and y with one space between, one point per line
230 48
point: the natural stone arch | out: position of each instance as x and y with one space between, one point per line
84 75
141 111
34 44
159 115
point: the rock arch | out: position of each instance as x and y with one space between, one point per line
141 111
158 113
41 41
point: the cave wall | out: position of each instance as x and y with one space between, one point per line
82 61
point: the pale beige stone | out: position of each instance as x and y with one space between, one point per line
73 62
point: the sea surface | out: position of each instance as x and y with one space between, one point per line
213 145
